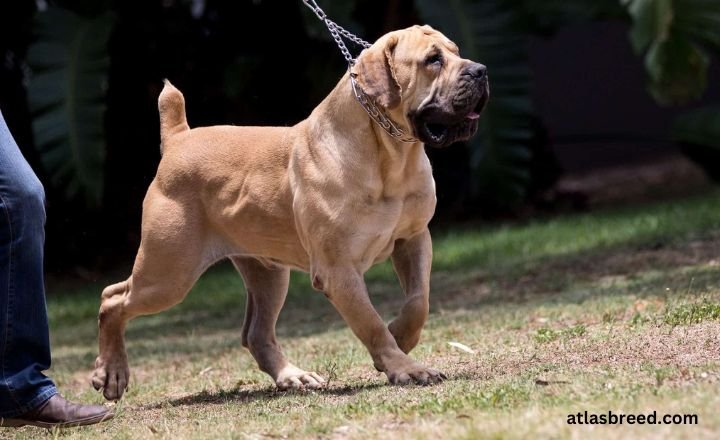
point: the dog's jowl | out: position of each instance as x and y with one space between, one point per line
330 196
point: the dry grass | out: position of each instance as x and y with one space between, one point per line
559 321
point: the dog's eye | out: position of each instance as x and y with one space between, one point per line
434 59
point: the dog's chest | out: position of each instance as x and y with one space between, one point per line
359 211
416 210
393 217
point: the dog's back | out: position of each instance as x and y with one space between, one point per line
237 176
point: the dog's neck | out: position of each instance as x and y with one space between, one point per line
342 111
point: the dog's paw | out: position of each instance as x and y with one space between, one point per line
294 378
415 373
111 377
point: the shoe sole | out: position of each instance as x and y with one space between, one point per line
18 423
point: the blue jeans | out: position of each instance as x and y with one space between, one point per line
24 338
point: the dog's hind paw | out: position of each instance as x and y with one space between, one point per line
294 378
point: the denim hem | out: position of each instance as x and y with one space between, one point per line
46 393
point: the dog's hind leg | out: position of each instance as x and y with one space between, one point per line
168 263
266 291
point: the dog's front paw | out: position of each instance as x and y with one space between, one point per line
111 377
414 373
294 378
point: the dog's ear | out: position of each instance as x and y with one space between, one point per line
376 75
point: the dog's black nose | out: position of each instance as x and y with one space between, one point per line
476 70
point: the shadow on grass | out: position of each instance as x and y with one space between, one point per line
239 395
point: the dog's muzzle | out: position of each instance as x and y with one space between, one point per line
440 124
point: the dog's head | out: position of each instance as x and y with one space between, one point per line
417 74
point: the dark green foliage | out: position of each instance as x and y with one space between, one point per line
698 132
69 61
545 17
675 36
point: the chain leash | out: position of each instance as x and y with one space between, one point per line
375 112
337 32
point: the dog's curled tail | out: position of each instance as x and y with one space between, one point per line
171 105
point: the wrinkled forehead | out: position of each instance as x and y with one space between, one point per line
421 39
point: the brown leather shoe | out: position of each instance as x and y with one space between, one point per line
58 412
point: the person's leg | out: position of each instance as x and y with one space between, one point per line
24 339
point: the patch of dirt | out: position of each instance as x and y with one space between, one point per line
666 177
684 349
679 347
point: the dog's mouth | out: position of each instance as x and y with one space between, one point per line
439 134
438 128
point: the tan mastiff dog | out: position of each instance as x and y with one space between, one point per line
331 196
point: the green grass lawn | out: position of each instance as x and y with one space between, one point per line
610 311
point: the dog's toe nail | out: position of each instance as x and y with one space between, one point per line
97 382
296 383
404 379
317 377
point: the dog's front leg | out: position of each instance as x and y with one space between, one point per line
412 259
346 289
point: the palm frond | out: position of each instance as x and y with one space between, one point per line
69 62
675 36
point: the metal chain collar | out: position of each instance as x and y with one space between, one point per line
378 114
375 112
